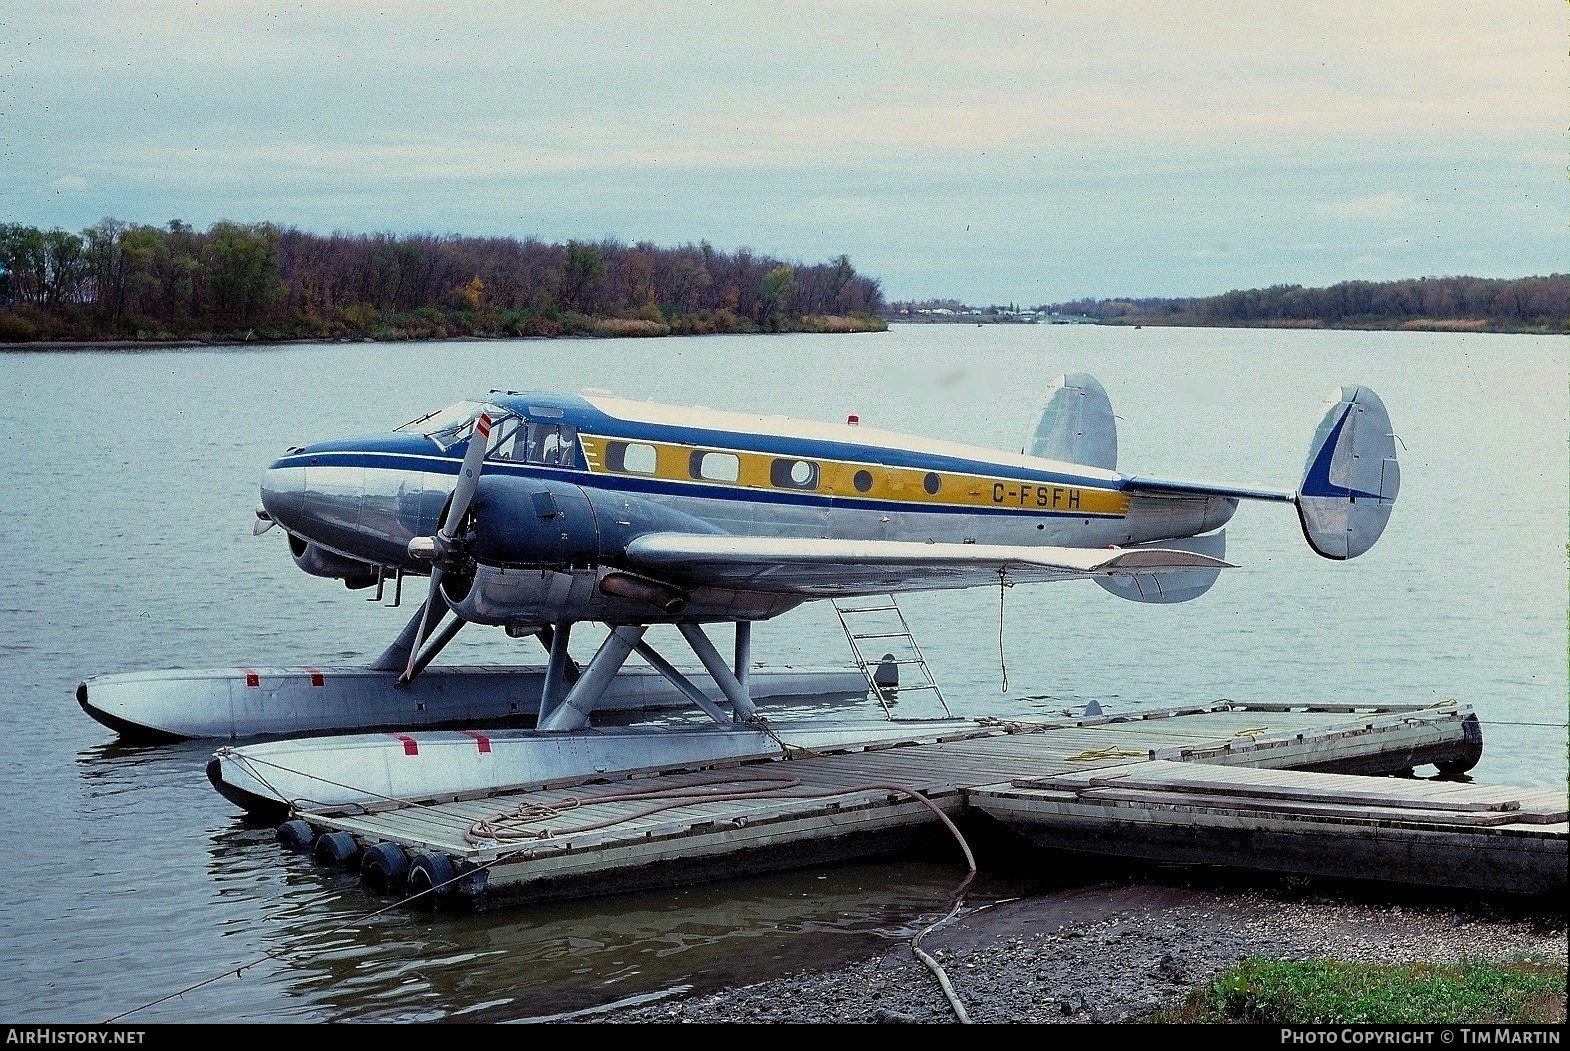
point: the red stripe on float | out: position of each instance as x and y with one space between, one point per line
410 745
316 677
252 679
484 742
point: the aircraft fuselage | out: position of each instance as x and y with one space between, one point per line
577 477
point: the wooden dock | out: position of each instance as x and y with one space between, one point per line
1232 785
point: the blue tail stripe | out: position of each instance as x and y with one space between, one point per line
1317 481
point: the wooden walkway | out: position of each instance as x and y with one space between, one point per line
1227 785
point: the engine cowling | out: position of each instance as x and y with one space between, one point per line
532 524
319 562
534 549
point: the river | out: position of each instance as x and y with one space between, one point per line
139 894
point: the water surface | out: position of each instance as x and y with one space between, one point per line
127 527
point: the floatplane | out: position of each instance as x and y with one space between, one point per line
534 512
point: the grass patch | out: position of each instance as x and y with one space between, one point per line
1328 992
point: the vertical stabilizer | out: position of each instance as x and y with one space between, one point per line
1077 425
1351 479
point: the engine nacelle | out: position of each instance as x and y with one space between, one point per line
320 562
545 524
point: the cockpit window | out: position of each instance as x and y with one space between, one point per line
506 440
447 427
534 441
551 443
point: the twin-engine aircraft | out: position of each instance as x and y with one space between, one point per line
534 511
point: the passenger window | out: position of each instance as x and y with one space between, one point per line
794 474
630 458
715 467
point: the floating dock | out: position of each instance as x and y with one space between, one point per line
1252 786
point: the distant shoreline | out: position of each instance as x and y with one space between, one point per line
46 345
205 344
1464 327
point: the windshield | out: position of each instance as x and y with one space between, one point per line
447 427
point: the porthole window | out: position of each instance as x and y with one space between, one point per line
862 481
794 474
715 467
631 458
931 484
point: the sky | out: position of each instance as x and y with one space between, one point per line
989 151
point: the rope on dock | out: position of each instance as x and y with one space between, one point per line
1093 754
791 751
502 828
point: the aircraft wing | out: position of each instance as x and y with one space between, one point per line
823 567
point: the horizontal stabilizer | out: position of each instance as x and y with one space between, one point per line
1350 481
1144 486
1176 586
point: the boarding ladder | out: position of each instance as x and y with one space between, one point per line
878 619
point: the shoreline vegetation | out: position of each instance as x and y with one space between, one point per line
123 284
1527 305
119 285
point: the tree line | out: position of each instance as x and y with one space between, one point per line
1527 304
121 280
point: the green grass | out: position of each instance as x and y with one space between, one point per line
1328 992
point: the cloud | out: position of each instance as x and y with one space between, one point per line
69 184
1378 206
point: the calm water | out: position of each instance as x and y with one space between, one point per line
128 546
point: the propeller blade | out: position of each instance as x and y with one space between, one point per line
439 549
469 475
431 599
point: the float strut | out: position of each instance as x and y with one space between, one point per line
396 656
449 629
573 712
684 684
560 672
733 690
743 663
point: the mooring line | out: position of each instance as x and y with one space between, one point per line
959 1008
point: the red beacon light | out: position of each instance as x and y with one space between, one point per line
853 419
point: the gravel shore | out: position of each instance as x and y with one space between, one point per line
1111 954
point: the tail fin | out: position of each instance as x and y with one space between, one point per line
1077 425
1351 479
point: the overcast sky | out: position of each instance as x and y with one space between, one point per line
990 151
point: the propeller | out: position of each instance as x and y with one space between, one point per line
441 548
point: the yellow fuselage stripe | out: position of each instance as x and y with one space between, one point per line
902 484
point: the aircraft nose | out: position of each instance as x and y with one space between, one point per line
283 494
